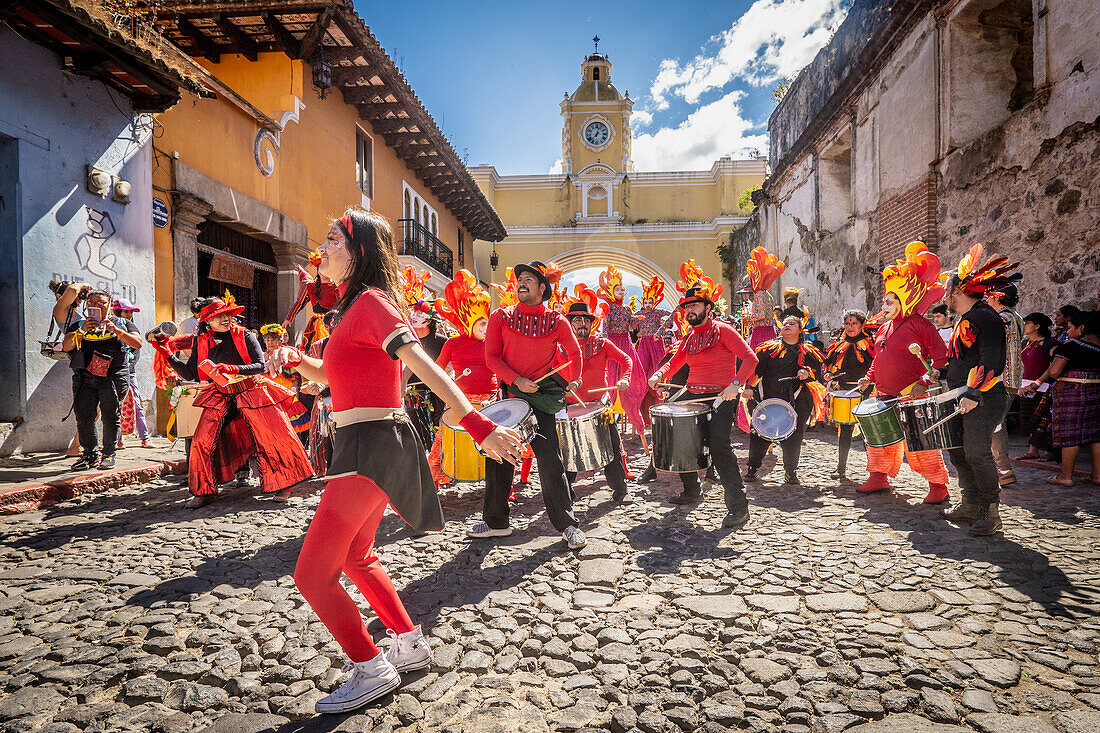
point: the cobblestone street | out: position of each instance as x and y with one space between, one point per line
829 611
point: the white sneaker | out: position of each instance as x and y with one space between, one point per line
409 650
369 681
481 530
574 537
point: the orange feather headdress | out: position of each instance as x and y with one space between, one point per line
654 291
464 302
507 291
915 281
693 279
977 280
762 269
609 280
412 283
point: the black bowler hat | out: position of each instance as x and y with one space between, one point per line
579 309
696 294
542 271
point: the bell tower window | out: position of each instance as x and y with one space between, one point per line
595 74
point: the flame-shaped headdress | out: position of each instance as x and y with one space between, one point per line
558 298
977 280
508 290
694 285
609 280
412 283
762 269
915 281
464 302
584 294
655 290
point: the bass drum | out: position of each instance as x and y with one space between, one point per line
584 433
919 415
774 419
680 437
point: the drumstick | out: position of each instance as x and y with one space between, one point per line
668 384
552 372
607 389
935 425
691 402
914 349
578 399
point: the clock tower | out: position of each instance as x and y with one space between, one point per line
596 139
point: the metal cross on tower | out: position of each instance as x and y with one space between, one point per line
596 42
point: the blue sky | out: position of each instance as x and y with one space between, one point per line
700 73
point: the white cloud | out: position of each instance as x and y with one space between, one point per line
773 39
711 131
557 168
640 118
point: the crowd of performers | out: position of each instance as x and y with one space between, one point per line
400 411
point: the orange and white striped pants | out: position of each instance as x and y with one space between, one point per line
928 463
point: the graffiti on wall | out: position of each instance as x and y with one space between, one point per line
91 244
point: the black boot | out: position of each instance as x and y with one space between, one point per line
989 523
650 474
753 474
687 498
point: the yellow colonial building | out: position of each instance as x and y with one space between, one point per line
600 211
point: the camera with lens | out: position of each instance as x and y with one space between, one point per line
57 287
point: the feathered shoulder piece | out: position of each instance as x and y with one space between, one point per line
609 280
915 280
977 280
412 283
762 269
464 302
507 291
655 290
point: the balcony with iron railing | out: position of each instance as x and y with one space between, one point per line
418 241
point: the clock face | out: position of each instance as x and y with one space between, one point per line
596 133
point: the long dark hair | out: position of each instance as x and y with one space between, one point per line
1041 321
374 261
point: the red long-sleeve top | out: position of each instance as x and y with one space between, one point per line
596 351
712 352
465 352
521 341
894 367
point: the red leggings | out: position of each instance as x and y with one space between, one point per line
340 539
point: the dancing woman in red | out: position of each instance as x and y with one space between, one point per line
377 459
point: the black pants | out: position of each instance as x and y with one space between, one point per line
556 492
721 455
105 394
615 472
978 476
791 446
845 442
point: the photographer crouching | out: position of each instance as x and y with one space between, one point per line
100 376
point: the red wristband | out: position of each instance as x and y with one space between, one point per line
477 425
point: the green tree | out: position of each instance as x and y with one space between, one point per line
744 201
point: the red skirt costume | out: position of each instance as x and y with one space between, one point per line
241 419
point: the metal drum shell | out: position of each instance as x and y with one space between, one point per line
680 437
879 423
513 413
916 416
774 403
584 434
841 405
461 459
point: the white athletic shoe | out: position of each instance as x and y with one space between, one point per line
481 530
574 537
369 681
409 650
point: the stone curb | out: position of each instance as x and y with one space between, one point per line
29 497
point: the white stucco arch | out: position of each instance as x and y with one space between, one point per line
624 260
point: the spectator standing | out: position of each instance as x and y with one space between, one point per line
1061 323
942 320
100 376
1003 300
1036 356
125 310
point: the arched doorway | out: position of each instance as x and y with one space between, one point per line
626 261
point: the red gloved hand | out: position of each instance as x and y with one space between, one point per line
228 368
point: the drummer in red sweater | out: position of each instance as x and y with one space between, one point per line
719 363
596 352
912 287
466 305
521 346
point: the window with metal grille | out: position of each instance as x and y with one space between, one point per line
364 162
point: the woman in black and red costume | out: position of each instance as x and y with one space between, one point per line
240 418
378 461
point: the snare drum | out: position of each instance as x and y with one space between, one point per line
461 460
916 416
680 437
584 433
841 405
879 423
187 415
774 419
515 414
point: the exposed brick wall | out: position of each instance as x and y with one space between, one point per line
907 217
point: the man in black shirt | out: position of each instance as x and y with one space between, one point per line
976 360
97 347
